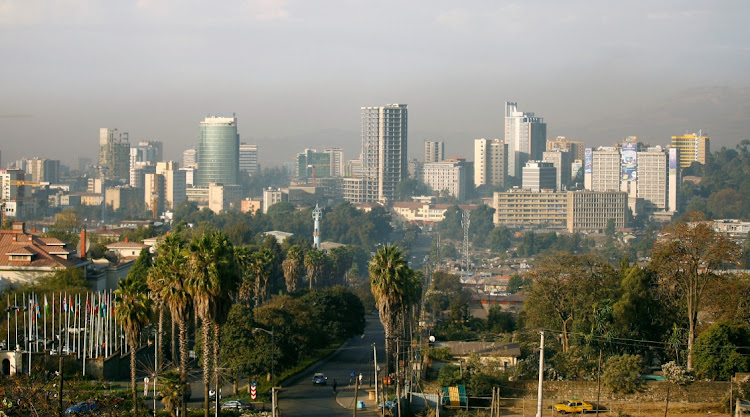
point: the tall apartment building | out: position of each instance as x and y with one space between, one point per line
147 151
248 159
189 158
561 161
526 137
384 148
490 159
114 155
573 147
313 164
11 187
539 175
43 170
337 161
218 151
434 151
449 175
693 147
647 174
154 193
138 174
174 183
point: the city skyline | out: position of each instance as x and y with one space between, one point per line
296 74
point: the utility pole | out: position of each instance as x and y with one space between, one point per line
541 376
356 393
375 359
598 382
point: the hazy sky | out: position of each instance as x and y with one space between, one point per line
297 71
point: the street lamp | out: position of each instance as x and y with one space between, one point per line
273 347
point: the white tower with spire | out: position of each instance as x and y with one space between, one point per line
317 214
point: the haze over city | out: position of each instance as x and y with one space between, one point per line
296 73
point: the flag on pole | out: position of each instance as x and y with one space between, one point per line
46 305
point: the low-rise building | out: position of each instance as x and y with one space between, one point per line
423 213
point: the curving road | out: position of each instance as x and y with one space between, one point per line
301 398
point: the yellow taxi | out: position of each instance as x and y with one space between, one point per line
573 406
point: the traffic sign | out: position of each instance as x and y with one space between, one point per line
253 390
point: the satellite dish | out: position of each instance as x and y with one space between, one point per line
432 339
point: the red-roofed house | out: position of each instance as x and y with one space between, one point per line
26 257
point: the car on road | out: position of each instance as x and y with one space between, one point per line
319 379
573 406
236 405
82 408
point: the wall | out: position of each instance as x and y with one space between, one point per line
703 391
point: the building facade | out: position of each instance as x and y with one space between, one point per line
449 175
539 175
248 159
573 147
221 197
561 161
43 170
218 151
272 196
434 151
490 159
114 155
693 147
526 137
189 158
384 150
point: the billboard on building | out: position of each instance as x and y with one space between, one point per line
672 160
588 161
629 159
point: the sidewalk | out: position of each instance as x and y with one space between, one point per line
345 398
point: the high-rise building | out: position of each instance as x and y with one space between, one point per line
561 160
114 155
248 159
189 159
138 174
573 147
539 175
218 151
693 147
147 151
174 183
434 151
384 147
490 159
448 175
313 164
337 161
43 170
526 137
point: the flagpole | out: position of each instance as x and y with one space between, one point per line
8 339
85 322
46 305
54 301
15 301
25 334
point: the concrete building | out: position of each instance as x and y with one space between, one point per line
526 137
218 151
539 175
561 161
138 173
573 147
250 205
449 175
43 170
221 197
434 151
119 197
423 212
272 196
602 169
490 159
248 159
174 183
189 158
313 164
384 150
114 155
153 193
575 211
337 161
693 147
353 190
147 151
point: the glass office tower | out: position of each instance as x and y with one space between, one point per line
218 151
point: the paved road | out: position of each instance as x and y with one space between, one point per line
301 398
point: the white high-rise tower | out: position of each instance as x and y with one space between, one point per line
384 163
526 137
317 215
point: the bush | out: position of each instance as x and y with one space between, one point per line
440 354
719 353
622 373
676 374
449 376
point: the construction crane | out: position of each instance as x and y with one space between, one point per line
22 183
314 170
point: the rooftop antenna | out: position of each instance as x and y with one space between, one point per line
317 214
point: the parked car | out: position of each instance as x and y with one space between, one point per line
236 405
319 379
82 408
573 406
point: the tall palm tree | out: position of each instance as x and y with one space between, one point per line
170 270
132 311
155 282
395 287
243 256
212 282
172 390
316 263
261 266
293 267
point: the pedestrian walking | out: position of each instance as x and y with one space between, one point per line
334 386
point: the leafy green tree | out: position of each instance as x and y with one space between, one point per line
622 373
450 226
341 262
685 259
500 239
721 351
410 187
499 321
516 283
639 313
482 224
339 312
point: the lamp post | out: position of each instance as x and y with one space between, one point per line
273 380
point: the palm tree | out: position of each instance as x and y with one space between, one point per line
170 270
316 263
172 390
293 267
261 266
243 258
132 310
212 282
155 281
395 287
